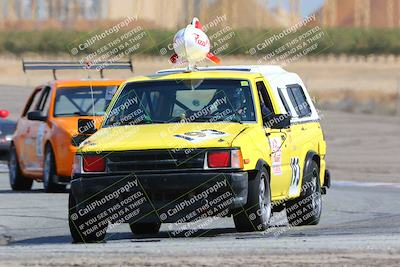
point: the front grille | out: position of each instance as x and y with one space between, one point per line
154 160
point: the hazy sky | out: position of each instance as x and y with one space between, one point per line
307 6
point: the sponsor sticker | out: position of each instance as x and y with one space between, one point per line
202 135
244 83
275 144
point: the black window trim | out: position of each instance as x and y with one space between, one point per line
284 102
44 97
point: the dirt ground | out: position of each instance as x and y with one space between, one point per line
351 84
354 84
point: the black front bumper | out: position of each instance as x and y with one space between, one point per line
165 197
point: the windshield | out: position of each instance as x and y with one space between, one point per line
83 100
209 100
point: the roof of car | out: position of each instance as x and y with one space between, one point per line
242 72
272 69
85 82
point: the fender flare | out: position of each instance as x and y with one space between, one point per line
311 155
262 163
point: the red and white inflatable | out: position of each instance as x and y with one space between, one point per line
4 113
192 45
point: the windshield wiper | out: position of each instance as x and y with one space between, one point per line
146 121
236 120
201 119
216 118
77 113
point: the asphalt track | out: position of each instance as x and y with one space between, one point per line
360 223
360 226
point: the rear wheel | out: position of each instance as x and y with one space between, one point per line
75 221
306 209
49 173
257 212
18 182
145 228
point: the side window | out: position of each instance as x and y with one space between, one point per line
33 102
299 100
266 104
44 102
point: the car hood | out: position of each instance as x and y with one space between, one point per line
70 124
163 136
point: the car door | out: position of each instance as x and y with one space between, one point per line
36 132
21 139
302 133
280 143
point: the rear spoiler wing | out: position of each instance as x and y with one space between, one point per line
74 65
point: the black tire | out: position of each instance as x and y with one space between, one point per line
306 209
257 212
77 235
18 182
145 228
49 173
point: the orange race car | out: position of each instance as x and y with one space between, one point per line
52 126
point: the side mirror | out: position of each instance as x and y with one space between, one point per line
86 126
4 113
36 116
278 121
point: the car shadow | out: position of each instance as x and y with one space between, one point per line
32 191
163 235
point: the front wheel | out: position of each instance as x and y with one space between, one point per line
76 223
306 209
18 182
256 214
49 173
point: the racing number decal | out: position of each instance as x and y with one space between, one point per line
294 184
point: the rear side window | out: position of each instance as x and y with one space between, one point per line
299 100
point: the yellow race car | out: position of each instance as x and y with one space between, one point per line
180 146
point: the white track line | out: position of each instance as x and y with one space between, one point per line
364 184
